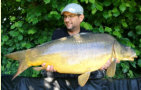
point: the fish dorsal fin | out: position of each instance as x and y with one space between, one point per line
111 69
83 78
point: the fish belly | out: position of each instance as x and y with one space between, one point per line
73 64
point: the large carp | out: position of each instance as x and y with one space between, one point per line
78 54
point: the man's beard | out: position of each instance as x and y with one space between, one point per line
71 29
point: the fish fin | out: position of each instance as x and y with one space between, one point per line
22 66
83 78
111 69
19 55
37 68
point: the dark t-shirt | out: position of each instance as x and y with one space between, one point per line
62 32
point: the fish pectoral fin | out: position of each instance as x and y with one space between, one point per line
83 78
38 68
111 69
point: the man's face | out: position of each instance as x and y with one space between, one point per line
72 21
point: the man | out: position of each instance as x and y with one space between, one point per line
73 16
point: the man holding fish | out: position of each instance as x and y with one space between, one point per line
75 52
73 15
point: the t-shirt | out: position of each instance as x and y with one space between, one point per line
62 32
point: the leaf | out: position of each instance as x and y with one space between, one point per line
139 63
94 11
124 24
107 14
138 29
18 0
130 74
8 65
138 16
5 38
47 1
35 20
82 0
115 12
54 15
86 1
122 7
11 49
133 64
96 30
14 33
138 52
20 37
86 25
117 28
34 14
28 45
108 29
128 4
12 18
97 22
132 9
74 1
92 1
99 7
12 26
32 31
116 33
101 29
131 34
21 30
129 16
18 24
23 44
125 67
2 68
107 2
42 39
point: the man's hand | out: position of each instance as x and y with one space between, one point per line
108 63
49 68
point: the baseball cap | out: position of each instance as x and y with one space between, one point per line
73 8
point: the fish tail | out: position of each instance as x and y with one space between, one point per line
22 66
19 55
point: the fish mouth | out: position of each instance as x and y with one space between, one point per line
133 57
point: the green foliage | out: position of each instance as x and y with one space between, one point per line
86 25
27 23
47 1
